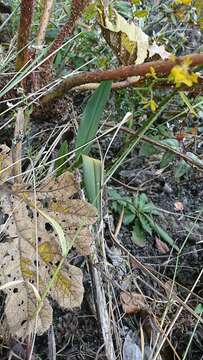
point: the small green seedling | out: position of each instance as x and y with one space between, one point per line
140 212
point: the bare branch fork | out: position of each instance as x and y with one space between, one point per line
162 68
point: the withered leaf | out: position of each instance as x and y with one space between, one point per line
129 43
5 163
132 302
31 254
161 246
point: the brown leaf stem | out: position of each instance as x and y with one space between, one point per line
77 8
24 31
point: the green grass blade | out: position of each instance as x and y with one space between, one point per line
61 159
92 179
57 227
91 117
165 236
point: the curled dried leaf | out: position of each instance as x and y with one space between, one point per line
161 246
132 302
127 40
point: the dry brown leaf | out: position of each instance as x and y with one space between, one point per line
132 302
161 246
5 163
31 253
129 43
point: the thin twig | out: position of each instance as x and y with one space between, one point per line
163 146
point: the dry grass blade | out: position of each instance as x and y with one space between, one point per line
46 12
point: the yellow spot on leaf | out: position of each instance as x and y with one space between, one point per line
63 283
46 252
24 263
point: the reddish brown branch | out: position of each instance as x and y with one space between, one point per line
162 68
77 8
24 31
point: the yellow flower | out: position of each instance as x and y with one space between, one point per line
180 74
151 73
184 2
150 104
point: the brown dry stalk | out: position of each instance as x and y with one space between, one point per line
77 8
162 68
24 31
17 145
46 9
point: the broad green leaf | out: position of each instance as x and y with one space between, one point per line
91 117
167 158
138 235
195 158
61 158
92 179
171 142
182 168
147 150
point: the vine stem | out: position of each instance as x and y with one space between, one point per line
162 68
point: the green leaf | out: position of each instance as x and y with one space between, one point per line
181 169
114 195
143 199
138 235
195 158
150 208
92 179
60 164
128 217
147 150
171 142
64 243
199 309
166 159
90 12
146 224
90 119
164 235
